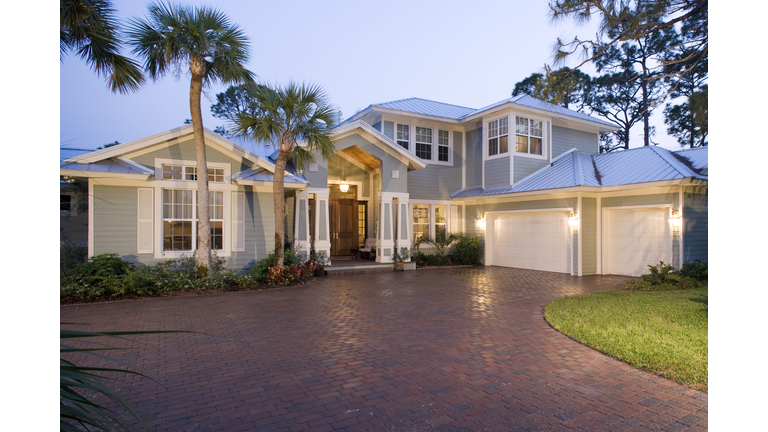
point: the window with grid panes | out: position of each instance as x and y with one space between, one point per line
439 219
179 215
420 220
404 136
443 145
180 172
498 136
529 136
424 143
361 221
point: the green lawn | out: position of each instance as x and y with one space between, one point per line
663 332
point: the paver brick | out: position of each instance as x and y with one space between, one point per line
455 349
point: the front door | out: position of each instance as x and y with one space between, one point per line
342 209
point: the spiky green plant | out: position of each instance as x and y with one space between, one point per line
82 386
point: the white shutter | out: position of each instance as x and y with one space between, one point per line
238 221
454 219
145 229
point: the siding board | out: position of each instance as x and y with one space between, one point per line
474 157
564 139
497 172
525 166
589 235
695 227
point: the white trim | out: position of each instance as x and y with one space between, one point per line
102 174
358 184
139 220
580 249
486 138
543 155
380 140
91 219
599 237
682 225
159 162
137 166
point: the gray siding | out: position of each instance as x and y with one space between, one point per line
564 139
185 150
476 212
389 130
588 235
474 145
290 216
695 227
388 163
436 182
497 172
526 166
377 126
259 229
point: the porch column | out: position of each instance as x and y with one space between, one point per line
385 242
322 224
403 219
301 229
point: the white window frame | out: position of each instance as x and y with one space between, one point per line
449 146
543 137
193 220
487 148
397 136
191 170
431 143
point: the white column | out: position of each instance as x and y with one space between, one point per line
322 222
404 219
301 228
387 234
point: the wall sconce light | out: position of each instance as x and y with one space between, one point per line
344 187
573 221
481 223
674 219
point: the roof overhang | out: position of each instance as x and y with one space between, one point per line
566 119
380 140
102 174
689 181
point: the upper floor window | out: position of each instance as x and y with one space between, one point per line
180 172
498 136
443 145
529 136
424 143
404 136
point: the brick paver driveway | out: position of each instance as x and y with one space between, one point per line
458 349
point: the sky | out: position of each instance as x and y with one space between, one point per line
360 52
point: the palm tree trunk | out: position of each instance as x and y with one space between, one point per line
204 260
278 192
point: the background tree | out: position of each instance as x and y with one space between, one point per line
563 87
629 20
235 101
297 119
89 29
205 42
615 97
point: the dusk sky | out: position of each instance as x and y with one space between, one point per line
360 52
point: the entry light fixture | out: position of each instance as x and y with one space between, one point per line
573 221
674 219
344 187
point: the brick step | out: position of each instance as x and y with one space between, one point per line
342 270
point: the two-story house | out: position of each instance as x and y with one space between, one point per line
523 175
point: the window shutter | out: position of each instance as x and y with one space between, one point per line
238 221
146 223
454 219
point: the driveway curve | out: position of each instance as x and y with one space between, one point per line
461 349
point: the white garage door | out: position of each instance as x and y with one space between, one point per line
537 241
637 238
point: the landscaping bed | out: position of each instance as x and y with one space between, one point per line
660 327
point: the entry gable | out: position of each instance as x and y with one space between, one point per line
379 140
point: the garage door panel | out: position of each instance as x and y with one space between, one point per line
535 240
638 237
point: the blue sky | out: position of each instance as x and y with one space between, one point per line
360 52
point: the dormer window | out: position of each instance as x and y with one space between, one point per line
529 136
498 136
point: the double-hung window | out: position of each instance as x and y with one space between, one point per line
420 220
498 136
404 136
439 219
179 219
529 136
443 145
424 143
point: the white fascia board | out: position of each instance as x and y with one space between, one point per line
131 164
603 128
378 139
414 115
102 174
590 189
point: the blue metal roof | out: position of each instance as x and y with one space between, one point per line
67 153
571 169
111 166
455 112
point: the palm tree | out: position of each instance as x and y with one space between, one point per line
214 49
89 29
298 120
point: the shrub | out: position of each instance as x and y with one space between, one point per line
638 284
466 251
102 265
696 270
70 255
687 283
661 274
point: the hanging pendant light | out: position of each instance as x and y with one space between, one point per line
344 186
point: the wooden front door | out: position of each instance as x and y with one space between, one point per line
343 222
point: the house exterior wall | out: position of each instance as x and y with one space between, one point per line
435 181
695 226
588 233
564 139
259 229
497 172
523 167
290 215
185 150
474 143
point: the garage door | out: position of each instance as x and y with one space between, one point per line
637 238
537 241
